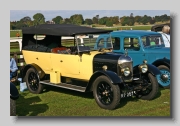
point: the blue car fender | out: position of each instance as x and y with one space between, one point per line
163 61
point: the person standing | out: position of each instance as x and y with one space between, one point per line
17 34
166 35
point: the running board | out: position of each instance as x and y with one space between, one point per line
64 85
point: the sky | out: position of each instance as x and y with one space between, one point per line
16 15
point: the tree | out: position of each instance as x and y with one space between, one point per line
58 20
109 23
67 21
144 19
77 19
164 18
103 20
152 21
19 25
124 20
157 18
115 19
95 20
88 21
26 20
131 15
97 16
137 19
39 19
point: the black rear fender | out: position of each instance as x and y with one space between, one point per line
38 70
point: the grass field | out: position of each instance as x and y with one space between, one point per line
62 102
56 101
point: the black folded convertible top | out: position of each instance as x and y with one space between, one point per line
62 30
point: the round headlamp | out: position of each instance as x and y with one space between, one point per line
126 71
143 68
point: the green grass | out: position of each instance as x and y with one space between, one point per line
13 33
56 101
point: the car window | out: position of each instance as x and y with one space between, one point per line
100 43
152 41
116 43
131 43
109 43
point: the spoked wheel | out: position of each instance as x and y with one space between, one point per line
32 81
165 78
106 94
150 91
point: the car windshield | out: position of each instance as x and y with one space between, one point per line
151 41
93 42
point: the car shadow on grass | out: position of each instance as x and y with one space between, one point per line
29 106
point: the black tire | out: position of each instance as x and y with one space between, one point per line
32 81
164 83
152 90
106 95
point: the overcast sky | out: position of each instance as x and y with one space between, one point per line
49 14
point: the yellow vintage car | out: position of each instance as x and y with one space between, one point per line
53 60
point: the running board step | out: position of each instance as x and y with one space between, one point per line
64 85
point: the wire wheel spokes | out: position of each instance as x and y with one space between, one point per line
148 86
33 81
105 93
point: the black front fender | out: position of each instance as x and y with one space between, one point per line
153 69
114 78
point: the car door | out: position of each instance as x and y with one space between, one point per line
67 64
135 50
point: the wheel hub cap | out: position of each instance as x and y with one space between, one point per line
105 93
164 77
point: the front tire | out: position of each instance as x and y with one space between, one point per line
106 95
152 90
165 78
32 81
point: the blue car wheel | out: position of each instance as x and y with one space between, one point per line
164 79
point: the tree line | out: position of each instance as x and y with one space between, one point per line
78 19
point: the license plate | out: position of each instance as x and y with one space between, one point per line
128 94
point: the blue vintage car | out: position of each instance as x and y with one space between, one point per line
141 45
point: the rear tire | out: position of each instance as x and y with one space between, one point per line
32 81
106 95
166 71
